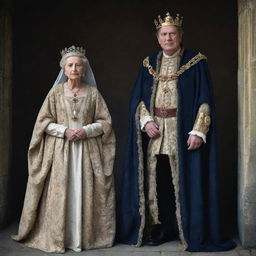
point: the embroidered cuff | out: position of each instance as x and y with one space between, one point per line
202 123
144 120
203 120
93 130
199 134
57 130
143 110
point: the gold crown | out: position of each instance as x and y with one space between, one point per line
78 50
168 20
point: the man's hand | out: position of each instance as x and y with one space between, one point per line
194 142
151 129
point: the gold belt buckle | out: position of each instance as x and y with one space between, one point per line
163 112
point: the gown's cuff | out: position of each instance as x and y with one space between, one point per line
57 130
93 130
199 134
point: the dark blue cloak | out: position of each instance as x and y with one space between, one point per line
197 169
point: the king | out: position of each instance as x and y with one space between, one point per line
169 188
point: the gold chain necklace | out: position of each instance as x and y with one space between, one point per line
165 87
75 92
174 76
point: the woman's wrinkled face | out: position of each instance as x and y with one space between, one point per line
74 68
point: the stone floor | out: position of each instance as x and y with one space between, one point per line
10 248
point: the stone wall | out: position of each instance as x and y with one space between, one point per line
247 122
5 107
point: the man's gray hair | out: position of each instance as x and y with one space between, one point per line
179 29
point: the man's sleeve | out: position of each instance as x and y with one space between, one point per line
145 116
202 122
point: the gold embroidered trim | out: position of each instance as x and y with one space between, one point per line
155 83
152 188
142 210
202 123
203 119
174 76
174 163
143 110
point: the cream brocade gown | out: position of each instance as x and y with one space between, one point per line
70 197
73 223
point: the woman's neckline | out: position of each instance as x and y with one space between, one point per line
77 96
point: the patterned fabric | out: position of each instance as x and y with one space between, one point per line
166 97
203 119
196 177
57 130
42 223
166 143
144 116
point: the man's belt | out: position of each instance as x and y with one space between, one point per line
165 112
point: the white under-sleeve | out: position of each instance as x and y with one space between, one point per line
93 130
57 130
144 120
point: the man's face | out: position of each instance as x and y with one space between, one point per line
169 39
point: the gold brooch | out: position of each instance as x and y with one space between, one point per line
166 89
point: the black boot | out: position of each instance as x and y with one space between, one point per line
158 236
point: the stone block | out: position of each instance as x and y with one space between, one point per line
229 253
2 214
253 252
176 253
244 253
247 122
173 246
247 225
3 190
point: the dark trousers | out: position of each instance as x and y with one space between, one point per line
166 198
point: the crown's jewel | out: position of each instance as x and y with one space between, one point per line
80 51
168 20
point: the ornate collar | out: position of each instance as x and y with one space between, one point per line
174 76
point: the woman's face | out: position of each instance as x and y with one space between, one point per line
74 68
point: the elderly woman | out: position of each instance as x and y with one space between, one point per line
69 201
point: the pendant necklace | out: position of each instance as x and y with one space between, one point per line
74 104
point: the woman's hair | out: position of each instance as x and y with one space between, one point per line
72 54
